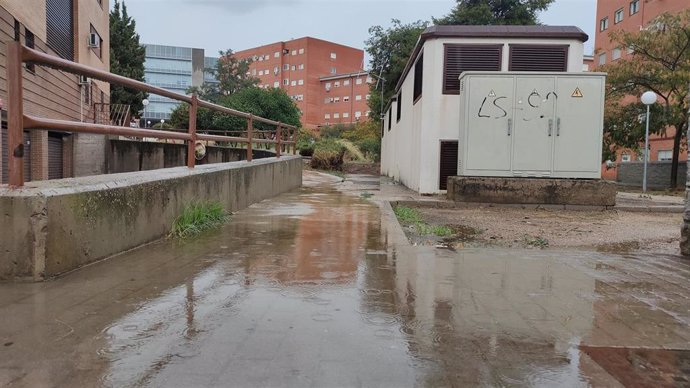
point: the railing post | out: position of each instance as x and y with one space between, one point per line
15 115
294 139
250 134
191 143
278 142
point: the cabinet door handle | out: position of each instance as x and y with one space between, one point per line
550 127
510 126
558 127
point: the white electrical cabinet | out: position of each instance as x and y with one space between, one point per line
531 124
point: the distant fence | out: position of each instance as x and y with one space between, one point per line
658 174
282 137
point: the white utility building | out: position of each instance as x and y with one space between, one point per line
434 127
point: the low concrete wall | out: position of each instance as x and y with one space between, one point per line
130 155
51 227
532 191
658 174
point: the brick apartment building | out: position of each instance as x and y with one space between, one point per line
324 78
61 28
632 15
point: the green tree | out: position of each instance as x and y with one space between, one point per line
127 57
389 50
661 63
494 12
232 75
273 104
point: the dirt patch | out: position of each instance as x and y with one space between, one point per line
362 168
605 231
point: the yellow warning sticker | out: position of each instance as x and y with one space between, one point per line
577 93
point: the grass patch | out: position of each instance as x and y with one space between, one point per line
412 217
198 217
536 242
408 215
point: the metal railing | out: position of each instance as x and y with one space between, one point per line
17 121
111 114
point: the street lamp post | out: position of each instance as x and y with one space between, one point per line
145 102
648 98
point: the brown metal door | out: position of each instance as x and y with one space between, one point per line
54 156
449 163
5 155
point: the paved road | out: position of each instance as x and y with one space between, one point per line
319 288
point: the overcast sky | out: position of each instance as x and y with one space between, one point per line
240 24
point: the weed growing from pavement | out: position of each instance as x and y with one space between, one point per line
537 242
198 217
412 217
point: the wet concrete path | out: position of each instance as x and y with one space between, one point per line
319 288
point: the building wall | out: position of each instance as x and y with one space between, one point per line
412 148
311 60
172 68
658 174
344 97
648 10
54 94
90 13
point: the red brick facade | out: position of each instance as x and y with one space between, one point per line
631 15
299 65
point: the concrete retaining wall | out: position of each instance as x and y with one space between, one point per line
685 229
55 226
129 156
532 191
658 174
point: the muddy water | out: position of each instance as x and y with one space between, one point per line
315 288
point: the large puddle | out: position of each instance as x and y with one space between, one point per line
311 289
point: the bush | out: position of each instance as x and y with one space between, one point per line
371 148
305 142
328 155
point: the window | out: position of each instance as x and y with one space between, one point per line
367 113
60 27
301 51
276 84
358 114
261 72
542 58
399 108
97 50
665 155
418 72
30 41
604 24
301 66
336 115
358 97
615 54
625 158
460 58
333 70
261 58
276 70
333 56
358 81
631 50
267 57
300 97
276 54
634 7
293 83
294 52
327 116
294 67
368 97
346 98
602 59
286 82
328 85
336 99
346 82
346 115
300 82
618 16
337 84
286 67
254 72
